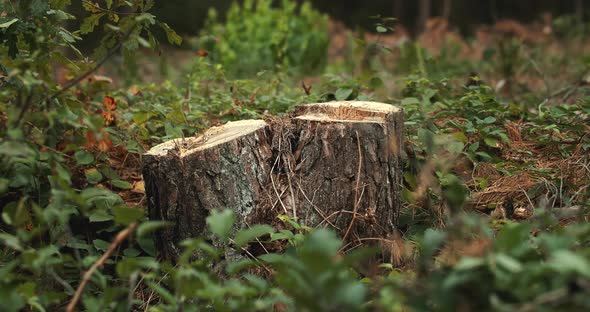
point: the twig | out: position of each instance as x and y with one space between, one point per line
356 197
275 188
315 207
77 80
306 88
114 245
147 302
95 68
61 281
293 204
527 197
253 257
24 109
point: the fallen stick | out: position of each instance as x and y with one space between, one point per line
121 236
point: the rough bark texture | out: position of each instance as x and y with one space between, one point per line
332 164
186 178
327 146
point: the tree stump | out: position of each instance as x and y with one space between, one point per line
341 166
225 168
334 164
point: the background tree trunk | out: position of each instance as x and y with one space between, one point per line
423 15
579 4
446 9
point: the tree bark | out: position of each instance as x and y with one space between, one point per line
226 168
446 10
332 164
423 15
580 11
346 167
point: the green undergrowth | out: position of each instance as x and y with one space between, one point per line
70 152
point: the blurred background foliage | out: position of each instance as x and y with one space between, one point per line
188 17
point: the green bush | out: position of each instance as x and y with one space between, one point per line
258 36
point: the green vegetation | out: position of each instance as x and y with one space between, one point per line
496 178
257 36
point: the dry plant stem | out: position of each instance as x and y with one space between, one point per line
121 236
293 204
275 188
358 180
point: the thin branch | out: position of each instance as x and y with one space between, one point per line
24 109
96 6
98 65
112 247
80 78
356 196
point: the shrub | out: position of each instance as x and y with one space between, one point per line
257 36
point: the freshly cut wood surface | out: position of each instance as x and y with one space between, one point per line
348 111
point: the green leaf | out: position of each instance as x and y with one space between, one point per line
62 172
282 234
190 245
93 176
122 184
59 4
172 36
245 236
343 94
39 7
220 223
151 226
7 24
509 263
83 158
376 82
141 117
102 199
100 216
131 252
410 101
469 263
100 244
381 29
491 142
147 245
273 258
11 241
489 120
127 265
565 261
90 22
162 292
238 266
126 215
3 186
431 241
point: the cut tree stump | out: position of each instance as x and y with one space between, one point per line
225 168
334 165
343 167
